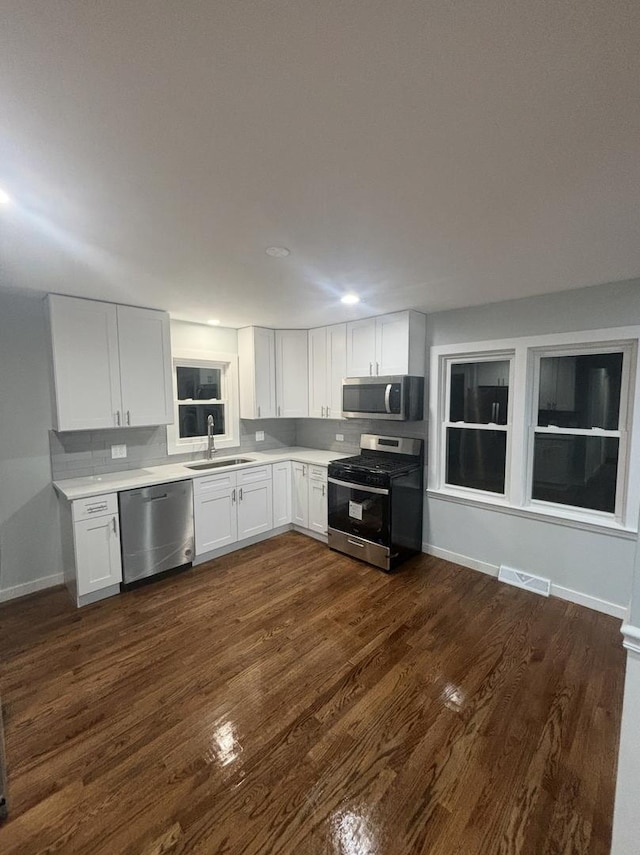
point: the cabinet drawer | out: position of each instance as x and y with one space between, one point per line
318 473
252 476
95 506
213 483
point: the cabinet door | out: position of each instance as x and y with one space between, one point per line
145 366
392 344
215 519
255 509
318 363
84 335
300 495
336 368
265 373
292 374
361 348
97 547
318 505
281 493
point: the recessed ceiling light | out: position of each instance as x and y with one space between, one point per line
278 251
350 299
5 199
214 322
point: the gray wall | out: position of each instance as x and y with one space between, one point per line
597 565
30 548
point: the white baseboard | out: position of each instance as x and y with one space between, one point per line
31 587
587 600
456 558
568 594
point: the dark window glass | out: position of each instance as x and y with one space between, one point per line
580 391
371 398
198 383
476 458
479 392
576 470
193 419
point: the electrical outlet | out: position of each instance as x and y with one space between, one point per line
339 437
118 451
259 436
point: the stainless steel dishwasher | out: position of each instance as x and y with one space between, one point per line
156 530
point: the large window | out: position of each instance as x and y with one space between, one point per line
204 388
541 424
476 430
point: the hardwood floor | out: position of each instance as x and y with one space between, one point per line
289 699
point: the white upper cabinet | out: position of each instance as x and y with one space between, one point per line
292 379
108 360
361 348
318 362
336 369
145 353
327 369
388 344
257 373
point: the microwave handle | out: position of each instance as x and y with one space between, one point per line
387 398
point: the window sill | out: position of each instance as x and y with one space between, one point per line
567 519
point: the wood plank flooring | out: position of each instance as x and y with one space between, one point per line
287 699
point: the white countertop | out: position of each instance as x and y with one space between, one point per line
130 479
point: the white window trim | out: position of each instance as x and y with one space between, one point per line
525 352
231 438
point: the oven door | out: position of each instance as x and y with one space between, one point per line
355 509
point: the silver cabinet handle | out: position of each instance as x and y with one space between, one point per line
387 398
370 369
328 411
258 410
377 368
240 493
128 417
304 471
115 528
323 489
278 410
233 496
322 412
118 418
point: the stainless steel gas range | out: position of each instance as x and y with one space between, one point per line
375 501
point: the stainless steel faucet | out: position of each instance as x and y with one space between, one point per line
211 442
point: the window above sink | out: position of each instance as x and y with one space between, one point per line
205 383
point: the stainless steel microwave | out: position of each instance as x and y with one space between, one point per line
399 398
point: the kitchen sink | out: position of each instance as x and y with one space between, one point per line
219 464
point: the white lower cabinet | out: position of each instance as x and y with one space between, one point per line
95 563
214 512
282 488
255 509
310 497
318 499
232 506
300 514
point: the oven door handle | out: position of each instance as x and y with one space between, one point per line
380 491
387 398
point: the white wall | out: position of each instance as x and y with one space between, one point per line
186 336
626 819
598 566
30 549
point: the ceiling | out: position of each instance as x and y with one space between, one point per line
423 153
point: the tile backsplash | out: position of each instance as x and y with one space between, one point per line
321 433
78 453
